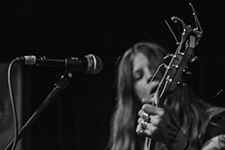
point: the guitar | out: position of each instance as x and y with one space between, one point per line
178 63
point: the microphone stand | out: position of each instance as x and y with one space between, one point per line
59 85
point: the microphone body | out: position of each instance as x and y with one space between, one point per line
89 64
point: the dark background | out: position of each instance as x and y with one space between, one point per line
79 118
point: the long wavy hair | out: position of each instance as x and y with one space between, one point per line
191 114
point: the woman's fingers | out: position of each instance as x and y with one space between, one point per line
152 110
148 131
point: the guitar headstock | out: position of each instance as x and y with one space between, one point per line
179 60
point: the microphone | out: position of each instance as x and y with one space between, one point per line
90 64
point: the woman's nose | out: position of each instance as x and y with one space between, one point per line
148 77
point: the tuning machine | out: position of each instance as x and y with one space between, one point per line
181 83
193 59
186 71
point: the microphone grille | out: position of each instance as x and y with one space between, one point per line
95 64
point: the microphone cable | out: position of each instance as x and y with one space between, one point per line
13 105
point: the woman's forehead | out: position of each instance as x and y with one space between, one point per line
139 60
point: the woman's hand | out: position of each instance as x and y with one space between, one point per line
157 123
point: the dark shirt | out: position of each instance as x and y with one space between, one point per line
215 127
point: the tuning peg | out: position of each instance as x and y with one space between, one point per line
181 53
187 72
181 83
175 66
193 59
